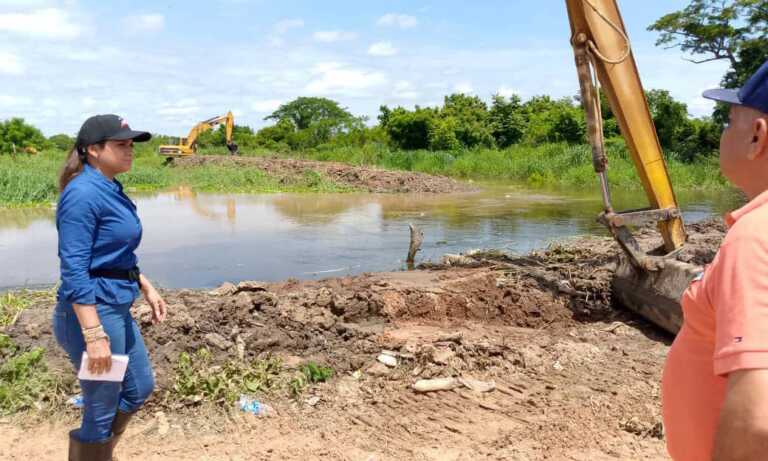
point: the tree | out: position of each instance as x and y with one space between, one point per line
669 116
553 121
16 135
408 130
469 116
711 30
507 120
62 141
304 112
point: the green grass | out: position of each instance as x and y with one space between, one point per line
25 381
13 303
537 166
31 180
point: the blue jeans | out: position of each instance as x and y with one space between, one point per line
102 399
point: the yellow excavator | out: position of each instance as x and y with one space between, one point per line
649 283
188 146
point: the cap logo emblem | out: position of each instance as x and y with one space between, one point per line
123 123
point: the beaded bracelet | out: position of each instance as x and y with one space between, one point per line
94 334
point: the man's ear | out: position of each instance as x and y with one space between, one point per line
759 146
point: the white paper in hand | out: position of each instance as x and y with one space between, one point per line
116 373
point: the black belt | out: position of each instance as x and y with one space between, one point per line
131 275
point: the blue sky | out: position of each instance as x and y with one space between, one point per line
165 65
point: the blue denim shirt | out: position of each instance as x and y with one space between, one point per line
98 229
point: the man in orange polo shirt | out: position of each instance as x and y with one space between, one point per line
715 384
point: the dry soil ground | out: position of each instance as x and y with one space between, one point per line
575 378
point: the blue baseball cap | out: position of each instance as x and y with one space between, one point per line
753 94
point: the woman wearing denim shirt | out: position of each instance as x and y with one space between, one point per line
99 231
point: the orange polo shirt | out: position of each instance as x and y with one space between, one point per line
725 330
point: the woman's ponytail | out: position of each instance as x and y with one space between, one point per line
73 165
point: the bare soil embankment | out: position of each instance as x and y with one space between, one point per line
364 178
575 378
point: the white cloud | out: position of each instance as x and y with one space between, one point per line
10 64
26 3
464 87
405 90
330 36
285 25
13 101
507 92
145 23
94 54
334 78
51 23
382 49
402 21
266 105
280 28
88 102
182 108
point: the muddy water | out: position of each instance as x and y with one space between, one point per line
200 240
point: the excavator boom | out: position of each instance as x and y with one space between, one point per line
188 146
649 285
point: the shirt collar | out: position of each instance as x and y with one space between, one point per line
99 176
755 203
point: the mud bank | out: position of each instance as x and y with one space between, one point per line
363 178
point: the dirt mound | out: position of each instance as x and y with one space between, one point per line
364 178
574 378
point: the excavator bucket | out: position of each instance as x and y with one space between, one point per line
648 284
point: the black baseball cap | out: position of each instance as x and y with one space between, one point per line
108 127
753 94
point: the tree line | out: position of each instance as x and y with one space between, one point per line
706 30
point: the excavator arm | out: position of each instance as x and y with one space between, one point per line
188 145
648 284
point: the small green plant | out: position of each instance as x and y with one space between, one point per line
310 373
25 381
315 373
197 379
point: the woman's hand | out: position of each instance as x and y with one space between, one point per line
99 356
159 308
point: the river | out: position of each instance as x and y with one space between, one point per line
196 240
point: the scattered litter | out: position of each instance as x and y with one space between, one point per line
76 401
557 366
357 374
251 405
312 401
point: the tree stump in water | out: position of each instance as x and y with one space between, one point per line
417 237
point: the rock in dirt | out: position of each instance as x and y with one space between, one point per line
251 285
243 301
443 356
437 384
477 385
215 339
378 369
226 289
387 360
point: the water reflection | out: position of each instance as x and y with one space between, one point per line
200 240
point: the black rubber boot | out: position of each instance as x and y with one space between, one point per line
80 451
119 424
